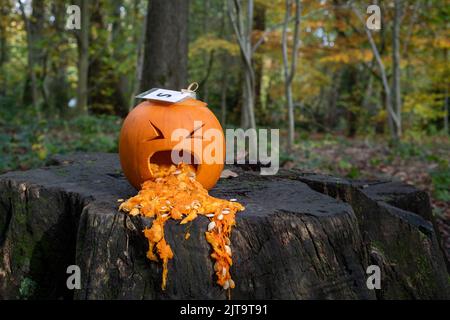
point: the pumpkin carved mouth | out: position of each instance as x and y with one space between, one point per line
165 158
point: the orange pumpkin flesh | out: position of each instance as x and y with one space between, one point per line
172 192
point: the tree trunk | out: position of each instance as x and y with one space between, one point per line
290 117
166 45
289 70
83 59
367 104
37 51
333 97
242 22
396 91
249 102
58 87
207 58
33 28
301 236
351 99
139 37
446 111
392 116
4 13
121 80
259 22
224 90
203 85
250 74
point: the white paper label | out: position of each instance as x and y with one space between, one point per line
163 95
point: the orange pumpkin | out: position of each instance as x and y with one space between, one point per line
146 138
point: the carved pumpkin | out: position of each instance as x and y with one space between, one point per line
146 138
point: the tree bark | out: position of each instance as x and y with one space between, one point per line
166 45
83 59
312 238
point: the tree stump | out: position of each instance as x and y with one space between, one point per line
302 236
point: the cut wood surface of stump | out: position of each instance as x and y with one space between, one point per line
301 236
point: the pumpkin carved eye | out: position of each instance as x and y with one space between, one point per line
191 135
157 133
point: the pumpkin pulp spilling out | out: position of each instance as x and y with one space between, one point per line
173 193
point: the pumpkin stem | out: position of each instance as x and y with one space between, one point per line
191 89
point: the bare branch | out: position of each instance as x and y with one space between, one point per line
296 48
380 65
284 41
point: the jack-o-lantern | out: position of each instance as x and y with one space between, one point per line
146 137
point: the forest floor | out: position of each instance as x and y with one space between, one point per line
423 163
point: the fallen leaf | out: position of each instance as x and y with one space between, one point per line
288 164
228 174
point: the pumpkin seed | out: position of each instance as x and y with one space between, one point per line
220 217
195 203
228 250
134 211
233 200
210 215
211 225
224 272
232 285
226 285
